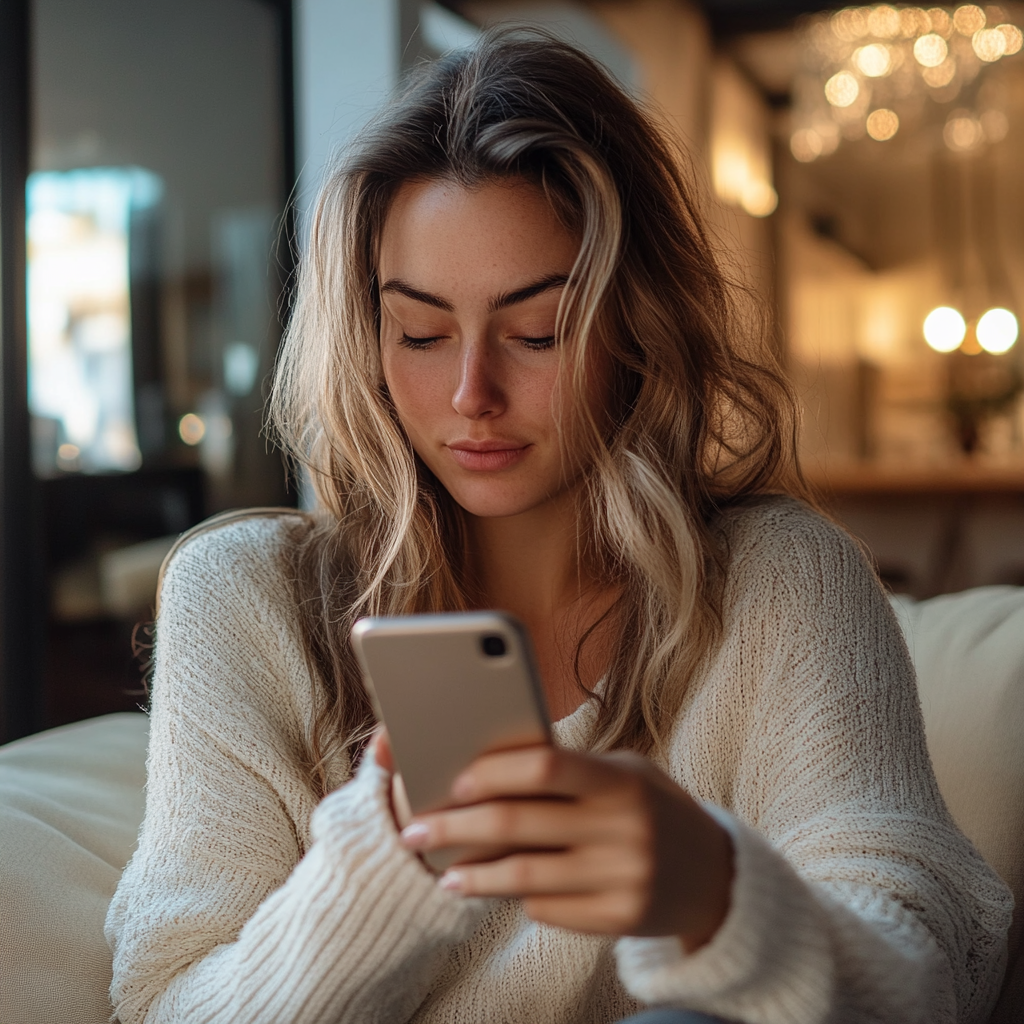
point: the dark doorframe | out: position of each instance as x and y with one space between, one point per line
22 587
20 590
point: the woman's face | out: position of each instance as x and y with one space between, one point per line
470 282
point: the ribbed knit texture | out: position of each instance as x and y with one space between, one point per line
855 897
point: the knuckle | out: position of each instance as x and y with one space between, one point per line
520 870
628 909
440 832
546 766
500 820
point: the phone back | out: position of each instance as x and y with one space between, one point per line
450 687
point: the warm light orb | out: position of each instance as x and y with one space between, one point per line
930 50
989 44
191 429
995 124
882 124
968 19
944 329
997 331
874 60
806 145
850 23
941 75
759 199
962 131
1013 36
940 21
842 89
884 21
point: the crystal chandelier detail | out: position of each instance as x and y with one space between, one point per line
876 70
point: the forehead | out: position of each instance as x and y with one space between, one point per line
439 233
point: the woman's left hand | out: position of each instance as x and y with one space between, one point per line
605 844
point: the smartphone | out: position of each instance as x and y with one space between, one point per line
449 687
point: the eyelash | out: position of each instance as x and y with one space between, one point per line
418 343
534 344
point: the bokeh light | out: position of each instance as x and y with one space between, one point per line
1014 38
805 144
941 75
989 44
884 22
997 331
191 428
930 50
842 89
940 22
995 124
759 199
963 132
944 329
968 19
882 124
875 60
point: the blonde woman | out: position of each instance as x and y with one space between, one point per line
519 380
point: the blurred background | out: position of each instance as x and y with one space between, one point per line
157 162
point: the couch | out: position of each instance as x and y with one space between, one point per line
71 800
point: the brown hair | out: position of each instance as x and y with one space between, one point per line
703 418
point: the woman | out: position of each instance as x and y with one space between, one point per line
517 378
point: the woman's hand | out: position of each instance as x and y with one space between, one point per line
604 844
380 747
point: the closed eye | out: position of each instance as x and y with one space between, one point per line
539 344
408 341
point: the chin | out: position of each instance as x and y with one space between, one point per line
491 503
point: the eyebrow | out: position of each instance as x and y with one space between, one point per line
501 301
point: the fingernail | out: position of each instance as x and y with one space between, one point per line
452 881
415 835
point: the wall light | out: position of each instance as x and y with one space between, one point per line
944 329
997 331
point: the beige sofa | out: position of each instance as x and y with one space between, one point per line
71 801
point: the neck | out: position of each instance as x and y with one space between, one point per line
528 564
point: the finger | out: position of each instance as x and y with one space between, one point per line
536 823
591 870
611 912
380 745
533 771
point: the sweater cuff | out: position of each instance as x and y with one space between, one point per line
357 822
770 959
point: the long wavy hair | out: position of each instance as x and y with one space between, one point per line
702 419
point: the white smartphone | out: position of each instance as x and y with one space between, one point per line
449 687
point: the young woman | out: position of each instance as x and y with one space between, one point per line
518 380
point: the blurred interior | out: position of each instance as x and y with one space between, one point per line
864 173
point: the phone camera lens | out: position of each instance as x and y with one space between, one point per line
494 646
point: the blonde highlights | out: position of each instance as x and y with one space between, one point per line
700 419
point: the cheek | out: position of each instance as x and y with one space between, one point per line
417 389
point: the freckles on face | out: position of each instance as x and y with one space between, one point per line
470 286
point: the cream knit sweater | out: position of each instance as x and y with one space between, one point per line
855 897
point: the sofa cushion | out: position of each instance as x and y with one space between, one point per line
968 649
71 801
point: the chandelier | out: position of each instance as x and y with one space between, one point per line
880 70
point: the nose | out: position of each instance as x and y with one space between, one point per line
478 392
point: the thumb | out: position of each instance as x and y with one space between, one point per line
380 746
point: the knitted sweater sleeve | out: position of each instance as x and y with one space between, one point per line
230 911
855 897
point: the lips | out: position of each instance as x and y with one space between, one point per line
490 455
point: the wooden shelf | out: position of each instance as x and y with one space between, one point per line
963 478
